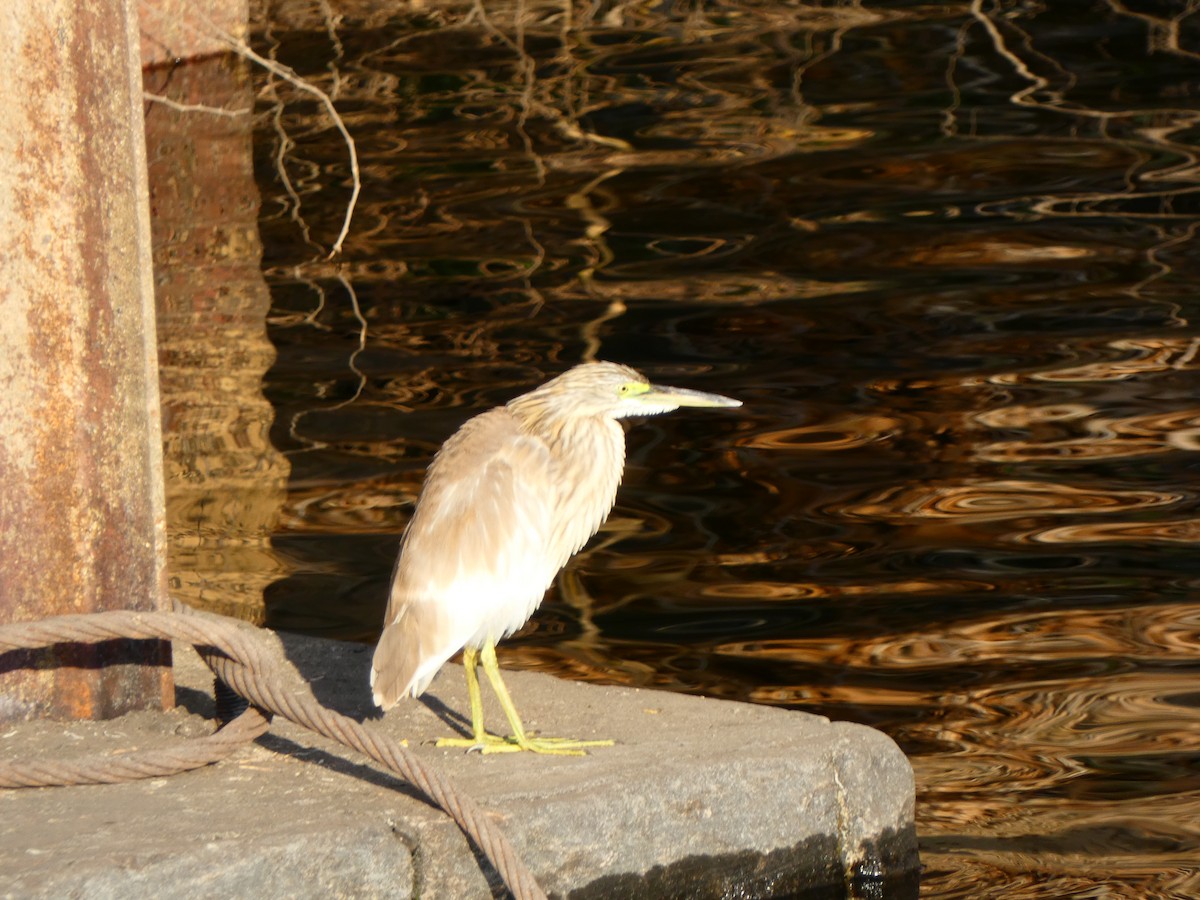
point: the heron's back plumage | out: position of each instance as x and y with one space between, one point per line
509 498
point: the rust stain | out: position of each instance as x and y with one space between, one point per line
78 535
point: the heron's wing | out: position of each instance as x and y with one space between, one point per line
475 560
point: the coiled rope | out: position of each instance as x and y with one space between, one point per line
240 657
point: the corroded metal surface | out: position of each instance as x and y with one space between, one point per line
81 511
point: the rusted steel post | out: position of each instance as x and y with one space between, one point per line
81 505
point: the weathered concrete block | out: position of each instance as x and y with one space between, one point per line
699 798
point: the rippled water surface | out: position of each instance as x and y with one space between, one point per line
945 254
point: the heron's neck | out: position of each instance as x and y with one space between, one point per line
588 458
540 417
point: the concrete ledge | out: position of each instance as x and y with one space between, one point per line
700 798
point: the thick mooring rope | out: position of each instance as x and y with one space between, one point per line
241 658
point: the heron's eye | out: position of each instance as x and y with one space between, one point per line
625 389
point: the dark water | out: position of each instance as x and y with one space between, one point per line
945 254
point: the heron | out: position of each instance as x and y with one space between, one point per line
509 498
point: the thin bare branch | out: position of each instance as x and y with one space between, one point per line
193 107
289 75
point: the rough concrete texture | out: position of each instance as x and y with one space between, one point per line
699 798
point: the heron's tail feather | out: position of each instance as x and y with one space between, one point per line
410 652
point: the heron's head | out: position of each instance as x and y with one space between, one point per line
616 392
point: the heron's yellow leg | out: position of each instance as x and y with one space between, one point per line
475 695
480 736
519 739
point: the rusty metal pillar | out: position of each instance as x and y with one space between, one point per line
81 492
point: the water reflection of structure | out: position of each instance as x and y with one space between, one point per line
224 480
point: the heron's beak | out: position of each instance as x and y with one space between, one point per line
662 395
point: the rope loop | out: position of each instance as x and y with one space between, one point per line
240 656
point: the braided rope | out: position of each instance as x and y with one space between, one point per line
239 656
159 763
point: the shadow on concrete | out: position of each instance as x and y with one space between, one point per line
452 717
344 688
347 689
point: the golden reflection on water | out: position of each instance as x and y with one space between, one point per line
985 501
225 482
1104 437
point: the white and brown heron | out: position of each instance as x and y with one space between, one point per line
509 498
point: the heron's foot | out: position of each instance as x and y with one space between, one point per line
494 743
